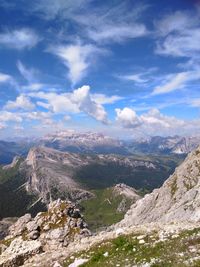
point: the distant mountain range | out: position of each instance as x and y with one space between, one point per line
95 143
164 145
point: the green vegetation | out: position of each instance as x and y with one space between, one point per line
175 251
14 200
101 210
103 175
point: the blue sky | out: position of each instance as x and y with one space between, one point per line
125 68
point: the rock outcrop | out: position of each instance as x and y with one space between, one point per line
56 228
177 200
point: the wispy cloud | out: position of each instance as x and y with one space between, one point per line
4 78
176 81
19 39
77 58
137 78
179 35
31 77
116 23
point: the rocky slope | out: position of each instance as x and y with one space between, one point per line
48 231
165 145
177 200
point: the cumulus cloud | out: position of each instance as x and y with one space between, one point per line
82 97
151 122
77 58
127 117
79 100
6 116
19 39
21 102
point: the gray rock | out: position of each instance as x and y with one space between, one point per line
34 235
32 226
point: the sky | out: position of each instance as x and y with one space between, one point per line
126 68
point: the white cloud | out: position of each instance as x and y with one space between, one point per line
117 33
80 100
176 81
4 78
58 103
113 23
180 35
33 86
137 78
28 74
21 102
103 99
62 9
152 122
6 116
175 22
19 39
82 97
77 58
127 117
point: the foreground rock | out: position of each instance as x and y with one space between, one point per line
48 231
4 226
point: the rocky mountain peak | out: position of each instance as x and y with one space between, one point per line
178 198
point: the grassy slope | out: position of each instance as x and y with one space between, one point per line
125 251
102 210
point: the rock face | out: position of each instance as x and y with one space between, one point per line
177 200
56 228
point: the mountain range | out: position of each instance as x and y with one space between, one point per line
96 143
